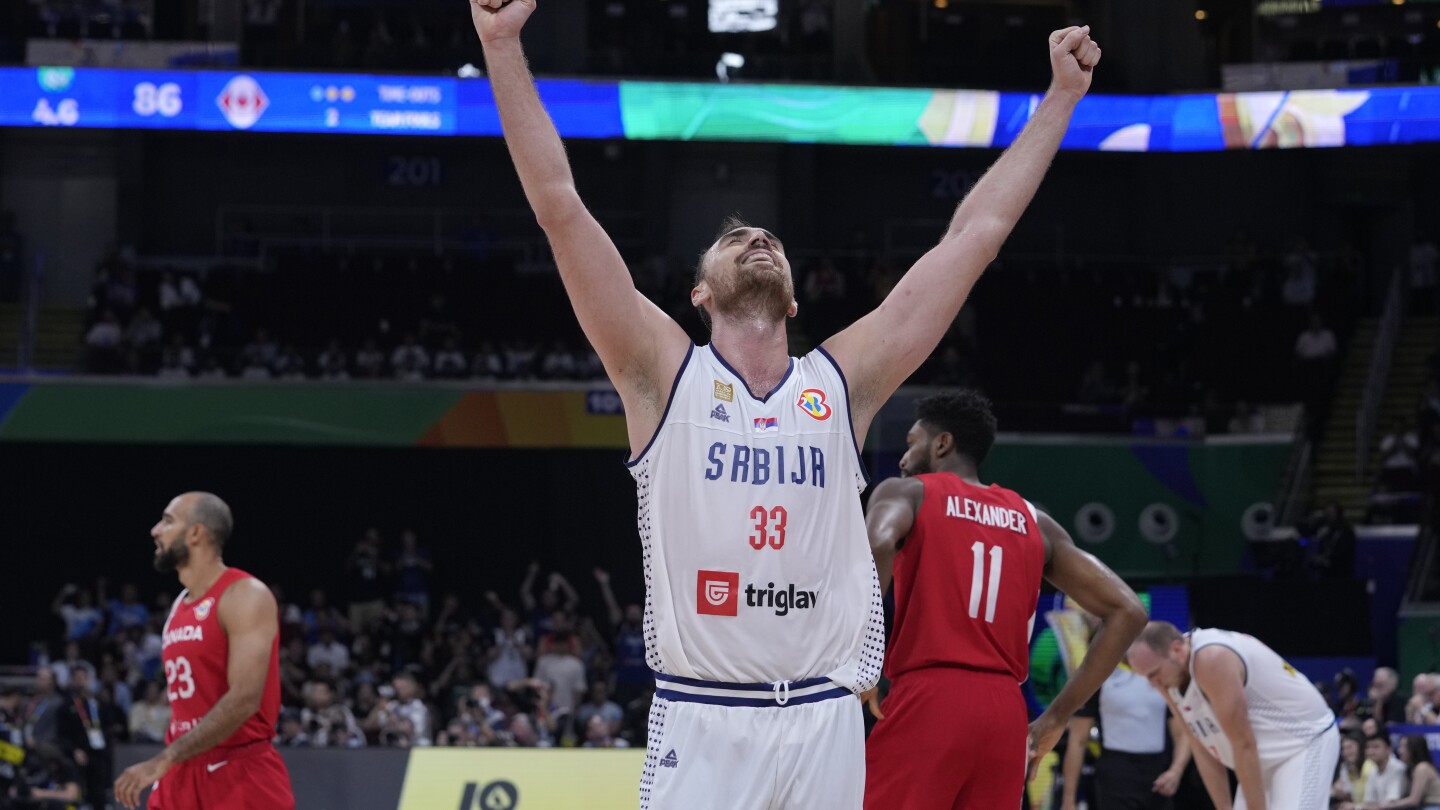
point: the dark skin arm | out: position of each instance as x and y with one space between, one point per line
1100 592
888 519
889 516
249 616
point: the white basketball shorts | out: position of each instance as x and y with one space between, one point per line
1302 781
796 745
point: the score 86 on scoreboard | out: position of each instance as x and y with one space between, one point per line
208 100
69 97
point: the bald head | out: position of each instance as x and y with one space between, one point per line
1383 684
208 510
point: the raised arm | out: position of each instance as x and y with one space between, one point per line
1221 676
558 582
881 350
612 607
888 519
1099 591
251 620
639 344
527 587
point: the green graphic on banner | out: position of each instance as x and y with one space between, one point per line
1154 510
653 110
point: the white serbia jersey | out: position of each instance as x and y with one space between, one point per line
1286 711
757 564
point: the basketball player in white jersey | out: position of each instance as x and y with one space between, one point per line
1247 710
762 617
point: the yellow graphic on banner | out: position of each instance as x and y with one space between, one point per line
517 779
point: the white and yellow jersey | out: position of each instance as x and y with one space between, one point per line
1287 712
757 564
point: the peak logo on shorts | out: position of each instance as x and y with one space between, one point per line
717 593
202 610
812 402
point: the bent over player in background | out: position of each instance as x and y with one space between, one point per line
763 617
1247 710
967 561
222 675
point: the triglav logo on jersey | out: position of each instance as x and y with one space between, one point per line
725 391
764 424
812 402
243 102
717 593
202 610
781 600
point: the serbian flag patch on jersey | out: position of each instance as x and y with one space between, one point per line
764 423
203 609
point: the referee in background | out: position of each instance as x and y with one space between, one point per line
1134 770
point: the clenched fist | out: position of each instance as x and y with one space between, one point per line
1073 55
500 19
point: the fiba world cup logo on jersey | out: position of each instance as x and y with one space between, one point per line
812 402
202 610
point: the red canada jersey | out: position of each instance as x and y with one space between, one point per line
197 657
967 580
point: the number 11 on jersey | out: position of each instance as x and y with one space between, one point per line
977 581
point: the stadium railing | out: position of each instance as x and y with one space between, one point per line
1367 417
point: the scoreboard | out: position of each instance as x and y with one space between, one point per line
643 110
283 102
275 102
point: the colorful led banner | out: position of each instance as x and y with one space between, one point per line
417 105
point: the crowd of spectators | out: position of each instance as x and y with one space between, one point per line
170 325
1374 772
387 665
1185 350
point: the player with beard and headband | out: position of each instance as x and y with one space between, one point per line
763 618
967 561
222 676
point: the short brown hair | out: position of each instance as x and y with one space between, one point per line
1158 636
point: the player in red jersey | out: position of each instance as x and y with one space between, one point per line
967 560
222 675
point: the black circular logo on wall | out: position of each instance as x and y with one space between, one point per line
498 796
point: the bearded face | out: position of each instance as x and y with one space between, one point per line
172 555
749 277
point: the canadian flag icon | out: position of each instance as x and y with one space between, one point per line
242 101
